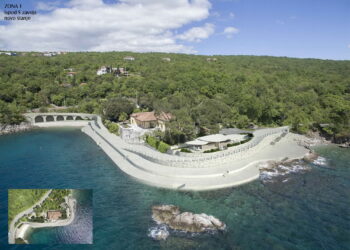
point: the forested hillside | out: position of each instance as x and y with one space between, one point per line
203 95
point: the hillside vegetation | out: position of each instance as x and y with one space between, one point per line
232 91
22 199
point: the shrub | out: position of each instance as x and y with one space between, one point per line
163 147
233 144
247 140
185 150
114 128
43 110
212 150
111 126
159 145
152 141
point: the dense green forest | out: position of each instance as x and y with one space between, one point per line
202 95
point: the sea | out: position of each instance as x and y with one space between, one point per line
303 205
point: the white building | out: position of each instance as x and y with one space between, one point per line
215 141
49 54
103 70
129 58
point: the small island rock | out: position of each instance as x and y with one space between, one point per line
186 221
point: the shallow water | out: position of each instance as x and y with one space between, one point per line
308 211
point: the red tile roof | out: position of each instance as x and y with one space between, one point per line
54 215
151 116
144 116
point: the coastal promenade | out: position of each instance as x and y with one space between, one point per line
24 227
231 167
13 228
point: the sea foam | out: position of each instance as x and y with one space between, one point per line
321 161
271 174
159 232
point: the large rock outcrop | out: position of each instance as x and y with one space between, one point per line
186 221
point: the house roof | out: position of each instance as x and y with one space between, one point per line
144 116
214 138
197 142
164 116
54 215
229 131
151 116
236 137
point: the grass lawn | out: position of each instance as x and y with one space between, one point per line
22 199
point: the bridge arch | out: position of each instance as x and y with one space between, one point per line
78 118
50 118
38 118
60 118
69 118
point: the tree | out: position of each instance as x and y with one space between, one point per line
10 114
114 107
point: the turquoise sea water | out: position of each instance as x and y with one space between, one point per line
301 210
78 232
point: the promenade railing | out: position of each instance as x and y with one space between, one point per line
192 160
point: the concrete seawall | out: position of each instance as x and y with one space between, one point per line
224 174
228 168
25 227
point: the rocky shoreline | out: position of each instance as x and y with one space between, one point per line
10 129
272 169
170 215
316 139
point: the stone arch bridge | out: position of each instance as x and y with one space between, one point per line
35 118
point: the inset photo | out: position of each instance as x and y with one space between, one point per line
50 216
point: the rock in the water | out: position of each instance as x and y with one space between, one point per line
186 221
164 213
309 157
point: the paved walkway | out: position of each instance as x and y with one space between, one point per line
227 172
12 228
231 167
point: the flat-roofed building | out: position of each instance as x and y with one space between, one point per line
129 58
215 141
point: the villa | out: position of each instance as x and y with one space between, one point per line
149 120
53 215
103 70
129 58
209 59
120 72
215 141
116 71
49 54
166 59
8 53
